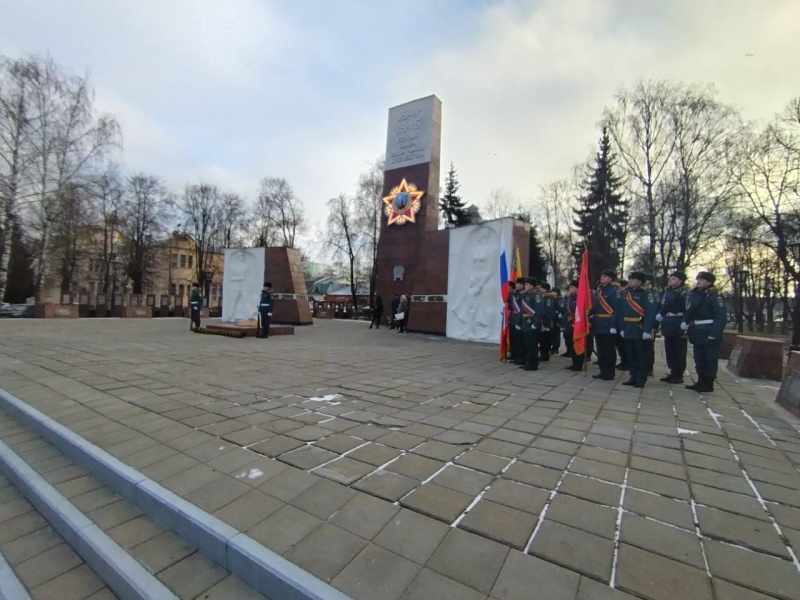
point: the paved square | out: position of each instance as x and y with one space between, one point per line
411 466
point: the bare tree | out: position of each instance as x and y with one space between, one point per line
279 212
640 128
15 148
368 207
343 238
201 206
501 203
147 210
70 233
67 139
554 215
232 220
108 198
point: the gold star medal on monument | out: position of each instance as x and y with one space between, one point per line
403 203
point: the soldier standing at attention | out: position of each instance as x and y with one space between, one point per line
650 345
636 319
548 303
604 305
196 305
265 308
623 355
704 319
555 329
670 315
515 322
570 308
531 304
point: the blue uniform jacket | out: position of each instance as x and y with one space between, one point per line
514 310
636 313
265 303
196 300
549 303
672 308
604 305
706 315
570 305
532 311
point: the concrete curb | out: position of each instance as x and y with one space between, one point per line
119 570
10 586
259 567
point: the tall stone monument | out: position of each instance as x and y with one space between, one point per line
410 200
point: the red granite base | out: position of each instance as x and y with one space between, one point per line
757 357
728 344
789 394
56 311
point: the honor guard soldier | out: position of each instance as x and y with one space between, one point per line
604 306
570 308
558 317
265 304
670 316
623 354
195 306
515 322
635 320
704 319
531 305
650 345
548 304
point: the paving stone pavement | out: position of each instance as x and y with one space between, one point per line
417 467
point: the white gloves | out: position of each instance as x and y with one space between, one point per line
647 336
685 326
613 331
622 334
269 314
659 317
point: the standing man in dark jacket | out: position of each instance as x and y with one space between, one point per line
555 329
196 305
636 317
515 321
548 304
377 313
670 315
532 313
704 319
604 306
395 305
623 353
265 308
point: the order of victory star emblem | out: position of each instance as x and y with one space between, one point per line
403 203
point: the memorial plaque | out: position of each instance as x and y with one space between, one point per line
100 300
118 300
83 299
66 299
151 299
408 139
164 301
178 302
62 312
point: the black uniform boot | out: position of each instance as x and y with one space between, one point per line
695 386
667 378
630 381
706 384
675 379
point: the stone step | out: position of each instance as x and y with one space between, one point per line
124 548
184 547
35 558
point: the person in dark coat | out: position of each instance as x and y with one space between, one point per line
377 313
603 318
265 305
532 315
555 330
402 308
704 320
196 304
395 304
670 315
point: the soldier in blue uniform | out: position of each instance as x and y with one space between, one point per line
265 304
623 354
555 329
650 345
636 317
195 306
704 319
670 316
604 306
568 324
548 303
515 322
532 312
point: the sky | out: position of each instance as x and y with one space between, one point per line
231 91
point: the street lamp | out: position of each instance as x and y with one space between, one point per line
740 277
795 345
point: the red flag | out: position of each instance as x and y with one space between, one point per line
581 330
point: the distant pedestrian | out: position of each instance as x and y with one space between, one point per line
265 305
395 304
402 314
196 305
377 313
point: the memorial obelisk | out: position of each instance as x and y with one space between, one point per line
410 193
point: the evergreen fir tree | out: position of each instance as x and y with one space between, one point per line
452 206
602 214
